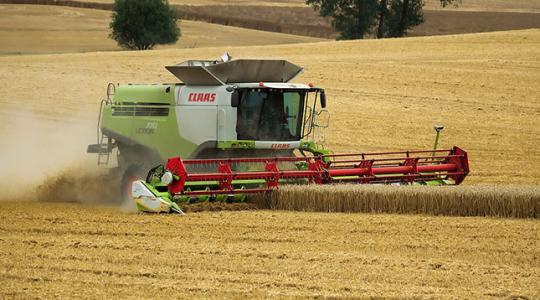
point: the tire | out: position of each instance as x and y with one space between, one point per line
132 173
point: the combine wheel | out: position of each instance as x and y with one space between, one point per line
132 173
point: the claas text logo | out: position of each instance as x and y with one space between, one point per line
202 97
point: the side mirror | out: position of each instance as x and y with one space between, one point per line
323 99
322 119
235 99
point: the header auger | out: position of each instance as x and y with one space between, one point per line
235 127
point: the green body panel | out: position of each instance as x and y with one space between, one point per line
159 133
309 146
166 136
149 93
313 147
242 144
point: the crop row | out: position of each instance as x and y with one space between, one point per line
498 201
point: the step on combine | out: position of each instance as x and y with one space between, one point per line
237 127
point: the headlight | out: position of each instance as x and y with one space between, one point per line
167 178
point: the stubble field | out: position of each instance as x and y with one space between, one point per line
60 250
383 95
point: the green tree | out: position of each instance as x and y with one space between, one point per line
445 3
351 18
142 24
354 19
382 13
402 16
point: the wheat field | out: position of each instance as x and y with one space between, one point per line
63 250
478 200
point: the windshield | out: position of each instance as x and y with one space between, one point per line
270 115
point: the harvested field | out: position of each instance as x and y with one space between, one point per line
27 29
74 251
229 2
441 22
488 5
469 5
497 201
305 21
292 17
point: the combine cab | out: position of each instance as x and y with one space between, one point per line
239 127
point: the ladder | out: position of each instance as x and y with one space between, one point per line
104 143
104 152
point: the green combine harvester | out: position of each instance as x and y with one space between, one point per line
235 127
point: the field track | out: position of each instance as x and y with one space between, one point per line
68 250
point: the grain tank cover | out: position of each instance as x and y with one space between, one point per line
235 71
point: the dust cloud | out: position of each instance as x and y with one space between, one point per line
44 158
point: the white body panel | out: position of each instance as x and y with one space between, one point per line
197 124
227 123
204 113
